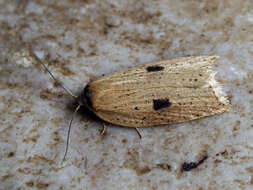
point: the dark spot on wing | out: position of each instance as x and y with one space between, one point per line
154 68
161 103
189 166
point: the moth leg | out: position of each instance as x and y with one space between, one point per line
137 130
102 133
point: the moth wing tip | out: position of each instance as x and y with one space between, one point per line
218 89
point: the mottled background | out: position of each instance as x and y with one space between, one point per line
81 40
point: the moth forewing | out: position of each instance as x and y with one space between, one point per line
163 92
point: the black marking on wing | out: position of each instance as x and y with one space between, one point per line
154 68
161 103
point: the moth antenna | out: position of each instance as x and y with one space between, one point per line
52 76
68 92
70 124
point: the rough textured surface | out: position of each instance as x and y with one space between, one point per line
81 40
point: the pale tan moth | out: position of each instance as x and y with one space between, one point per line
158 93
163 92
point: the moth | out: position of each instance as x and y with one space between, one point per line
163 92
158 93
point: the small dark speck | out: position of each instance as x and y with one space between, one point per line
136 108
195 80
189 166
154 68
11 154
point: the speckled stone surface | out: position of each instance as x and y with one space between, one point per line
81 40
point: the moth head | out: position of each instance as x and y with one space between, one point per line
84 99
